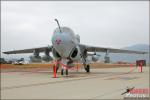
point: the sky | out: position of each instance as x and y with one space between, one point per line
115 24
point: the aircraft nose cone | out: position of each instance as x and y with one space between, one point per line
58 41
63 44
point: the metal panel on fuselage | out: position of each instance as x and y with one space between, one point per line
64 42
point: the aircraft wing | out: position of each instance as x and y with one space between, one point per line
88 48
41 49
110 50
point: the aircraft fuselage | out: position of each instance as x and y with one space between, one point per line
65 42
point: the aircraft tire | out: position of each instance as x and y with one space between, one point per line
88 68
62 71
66 71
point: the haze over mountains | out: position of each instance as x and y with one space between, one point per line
131 57
113 57
140 47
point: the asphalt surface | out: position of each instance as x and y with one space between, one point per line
104 83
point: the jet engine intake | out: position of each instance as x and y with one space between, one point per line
55 54
75 54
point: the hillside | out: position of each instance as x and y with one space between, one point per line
132 57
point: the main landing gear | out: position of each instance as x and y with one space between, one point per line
87 68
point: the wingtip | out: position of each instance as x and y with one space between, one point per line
145 52
5 52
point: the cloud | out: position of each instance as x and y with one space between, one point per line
29 24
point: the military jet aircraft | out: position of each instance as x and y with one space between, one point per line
66 49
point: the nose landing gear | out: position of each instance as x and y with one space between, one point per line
62 71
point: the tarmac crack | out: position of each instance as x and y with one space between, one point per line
47 83
58 82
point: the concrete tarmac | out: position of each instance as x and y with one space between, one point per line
103 83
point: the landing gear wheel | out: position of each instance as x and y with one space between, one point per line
66 71
87 68
62 71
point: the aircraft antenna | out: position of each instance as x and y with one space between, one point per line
58 25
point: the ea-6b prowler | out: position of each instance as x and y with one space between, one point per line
66 49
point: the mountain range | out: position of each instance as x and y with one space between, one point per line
131 58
